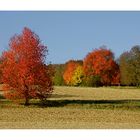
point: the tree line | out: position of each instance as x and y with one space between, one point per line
99 68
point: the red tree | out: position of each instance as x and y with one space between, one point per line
69 70
24 73
101 62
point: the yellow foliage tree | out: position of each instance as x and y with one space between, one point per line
77 76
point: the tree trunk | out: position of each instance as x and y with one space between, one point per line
26 96
26 102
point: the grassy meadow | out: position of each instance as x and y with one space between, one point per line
76 108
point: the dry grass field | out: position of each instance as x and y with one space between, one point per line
76 108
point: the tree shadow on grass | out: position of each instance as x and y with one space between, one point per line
96 104
2 97
129 104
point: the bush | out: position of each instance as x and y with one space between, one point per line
92 81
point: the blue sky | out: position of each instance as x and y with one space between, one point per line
71 35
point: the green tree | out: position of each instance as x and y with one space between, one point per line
58 76
124 69
130 67
135 65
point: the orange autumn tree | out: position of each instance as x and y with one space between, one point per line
24 73
71 66
100 62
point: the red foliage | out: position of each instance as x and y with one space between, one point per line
101 62
24 73
68 73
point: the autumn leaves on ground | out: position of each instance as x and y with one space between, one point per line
96 92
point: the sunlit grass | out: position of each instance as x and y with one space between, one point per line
76 107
